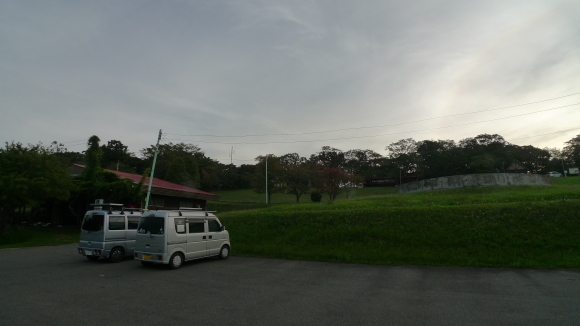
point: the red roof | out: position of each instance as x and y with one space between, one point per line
159 184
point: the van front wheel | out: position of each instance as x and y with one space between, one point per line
224 252
116 255
176 260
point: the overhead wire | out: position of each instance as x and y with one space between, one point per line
381 135
509 141
381 126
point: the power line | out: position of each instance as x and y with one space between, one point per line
382 126
389 134
551 133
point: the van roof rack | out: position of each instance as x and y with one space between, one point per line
107 204
169 208
117 207
177 209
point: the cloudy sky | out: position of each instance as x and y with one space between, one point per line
288 76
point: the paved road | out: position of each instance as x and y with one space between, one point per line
56 286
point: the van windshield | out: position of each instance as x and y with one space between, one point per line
93 223
151 224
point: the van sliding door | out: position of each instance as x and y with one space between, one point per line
196 239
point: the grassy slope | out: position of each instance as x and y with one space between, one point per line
503 226
35 237
525 226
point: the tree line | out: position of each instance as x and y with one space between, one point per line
37 176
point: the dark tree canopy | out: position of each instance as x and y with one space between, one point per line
30 176
296 175
330 181
572 151
329 157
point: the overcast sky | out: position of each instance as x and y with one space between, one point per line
288 76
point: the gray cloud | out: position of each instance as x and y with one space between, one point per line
125 70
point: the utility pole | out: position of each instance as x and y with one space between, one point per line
267 198
563 170
152 171
232 152
400 176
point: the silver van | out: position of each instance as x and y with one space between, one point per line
109 231
173 237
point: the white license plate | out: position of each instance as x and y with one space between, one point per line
88 252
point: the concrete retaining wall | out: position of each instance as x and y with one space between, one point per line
475 180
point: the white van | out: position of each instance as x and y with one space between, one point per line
109 231
172 237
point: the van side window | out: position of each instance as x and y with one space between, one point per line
180 225
197 227
116 222
133 222
213 226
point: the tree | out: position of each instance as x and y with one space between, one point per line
572 151
29 176
535 159
557 158
93 156
116 156
404 155
330 181
484 141
486 153
182 163
296 175
437 158
228 176
177 171
97 183
364 162
329 157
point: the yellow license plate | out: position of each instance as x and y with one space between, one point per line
146 257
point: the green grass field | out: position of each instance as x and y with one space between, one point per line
521 226
36 237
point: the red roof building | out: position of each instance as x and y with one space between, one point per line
163 193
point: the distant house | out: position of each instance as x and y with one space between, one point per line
163 193
516 167
381 182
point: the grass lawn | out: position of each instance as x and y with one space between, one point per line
35 237
520 226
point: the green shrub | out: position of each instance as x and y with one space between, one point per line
315 197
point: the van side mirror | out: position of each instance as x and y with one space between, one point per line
223 228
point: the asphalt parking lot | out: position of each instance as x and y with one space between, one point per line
57 286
